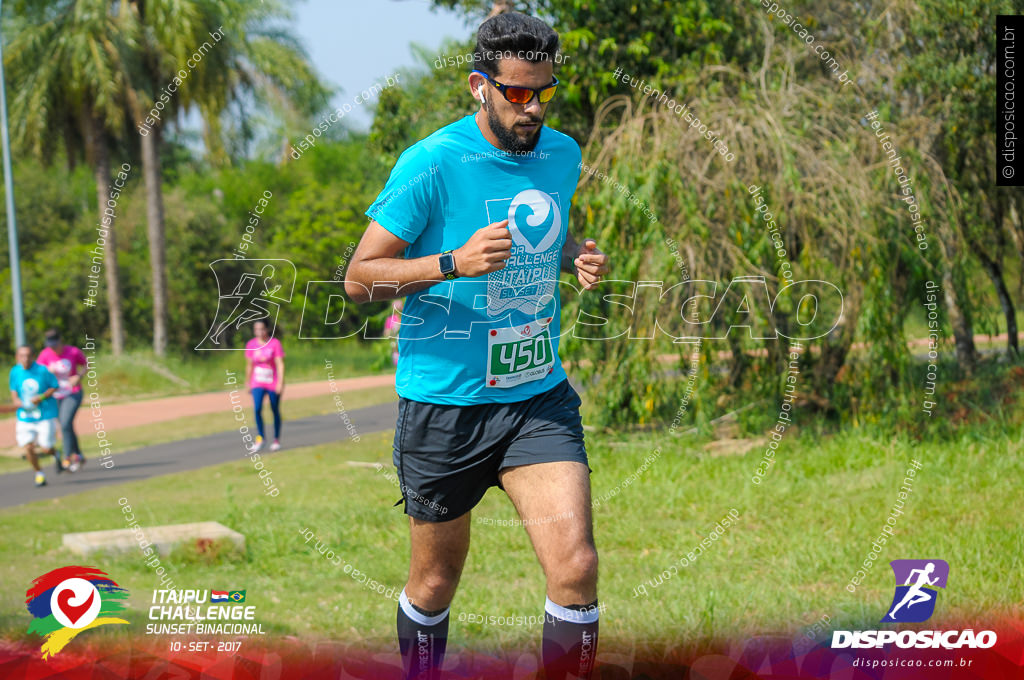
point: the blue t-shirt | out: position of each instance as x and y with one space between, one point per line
492 338
32 382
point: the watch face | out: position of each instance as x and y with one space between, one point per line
447 263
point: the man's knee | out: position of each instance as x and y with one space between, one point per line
578 568
437 578
432 590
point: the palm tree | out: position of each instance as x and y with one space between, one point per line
69 78
166 30
240 59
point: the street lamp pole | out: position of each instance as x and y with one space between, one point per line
12 227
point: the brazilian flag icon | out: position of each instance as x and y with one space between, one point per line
237 596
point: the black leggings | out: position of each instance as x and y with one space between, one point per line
68 407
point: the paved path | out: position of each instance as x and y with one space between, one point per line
16 488
132 413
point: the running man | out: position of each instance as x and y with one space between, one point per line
32 386
472 226
264 370
249 305
68 364
916 594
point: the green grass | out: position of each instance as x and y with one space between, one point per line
800 537
210 423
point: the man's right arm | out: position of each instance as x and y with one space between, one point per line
377 273
376 263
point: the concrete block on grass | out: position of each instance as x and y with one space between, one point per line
163 539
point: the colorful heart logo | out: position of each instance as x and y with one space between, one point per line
75 603
74 612
68 600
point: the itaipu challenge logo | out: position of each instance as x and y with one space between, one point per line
66 601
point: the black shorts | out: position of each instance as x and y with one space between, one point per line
448 456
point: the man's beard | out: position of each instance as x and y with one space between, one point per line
507 137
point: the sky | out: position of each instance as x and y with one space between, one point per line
356 43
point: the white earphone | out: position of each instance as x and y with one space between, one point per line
480 91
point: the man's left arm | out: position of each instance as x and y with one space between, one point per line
52 386
569 251
40 398
586 261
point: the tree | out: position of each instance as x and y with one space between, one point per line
798 133
664 42
952 68
240 56
65 62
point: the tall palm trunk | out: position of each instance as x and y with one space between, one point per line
101 174
152 172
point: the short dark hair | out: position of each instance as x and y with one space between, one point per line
512 35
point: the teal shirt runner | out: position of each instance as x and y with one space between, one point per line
493 338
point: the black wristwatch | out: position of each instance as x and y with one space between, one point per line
447 262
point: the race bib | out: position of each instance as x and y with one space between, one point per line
29 391
519 354
62 371
263 374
